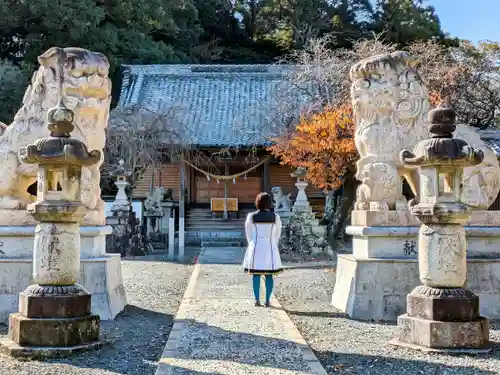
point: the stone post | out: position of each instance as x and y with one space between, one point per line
54 312
442 315
121 202
301 202
182 208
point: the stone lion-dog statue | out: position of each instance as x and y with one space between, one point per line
391 104
154 200
282 201
82 76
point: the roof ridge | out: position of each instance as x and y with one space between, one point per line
214 69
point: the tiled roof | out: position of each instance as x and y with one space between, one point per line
492 140
218 104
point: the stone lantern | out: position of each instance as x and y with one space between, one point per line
301 202
55 312
442 315
121 203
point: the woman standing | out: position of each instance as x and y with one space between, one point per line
263 230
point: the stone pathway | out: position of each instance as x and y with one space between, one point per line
218 331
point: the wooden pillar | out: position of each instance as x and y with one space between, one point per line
226 173
182 195
265 178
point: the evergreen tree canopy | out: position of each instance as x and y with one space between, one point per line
141 31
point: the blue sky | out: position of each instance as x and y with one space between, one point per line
469 19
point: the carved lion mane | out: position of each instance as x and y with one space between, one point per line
391 105
87 92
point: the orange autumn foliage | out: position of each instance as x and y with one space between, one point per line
435 99
323 143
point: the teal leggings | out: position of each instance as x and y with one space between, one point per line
269 287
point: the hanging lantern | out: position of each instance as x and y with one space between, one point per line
208 177
245 176
217 180
234 180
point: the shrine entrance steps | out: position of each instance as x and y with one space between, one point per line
206 230
218 330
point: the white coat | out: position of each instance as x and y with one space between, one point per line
262 255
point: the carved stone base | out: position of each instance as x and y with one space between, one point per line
376 289
56 316
100 273
9 347
424 333
53 332
442 318
101 276
54 302
449 305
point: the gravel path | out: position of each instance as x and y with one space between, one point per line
348 347
136 337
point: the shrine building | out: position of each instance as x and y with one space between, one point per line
219 107
225 107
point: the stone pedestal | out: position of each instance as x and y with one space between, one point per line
100 273
301 202
167 208
284 215
153 222
121 202
55 317
442 319
372 283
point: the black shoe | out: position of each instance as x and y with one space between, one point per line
257 304
268 304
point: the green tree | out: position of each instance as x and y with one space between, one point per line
291 23
146 31
13 80
406 21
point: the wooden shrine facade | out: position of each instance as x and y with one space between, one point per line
200 189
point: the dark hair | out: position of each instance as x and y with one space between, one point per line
263 201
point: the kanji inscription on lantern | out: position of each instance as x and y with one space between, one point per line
50 261
410 248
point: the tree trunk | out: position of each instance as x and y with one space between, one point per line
336 226
253 19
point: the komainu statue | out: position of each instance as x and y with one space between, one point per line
282 201
390 104
81 77
154 200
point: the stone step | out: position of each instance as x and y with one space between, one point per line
213 220
214 226
222 244
223 240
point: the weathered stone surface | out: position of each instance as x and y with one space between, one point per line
100 273
9 347
361 298
460 305
86 80
478 219
58 306
380 135
442 255
373 289
56 258
53 332
434 334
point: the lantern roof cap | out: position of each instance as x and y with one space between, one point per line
59 147
442 149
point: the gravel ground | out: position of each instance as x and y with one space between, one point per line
136 338
348 347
